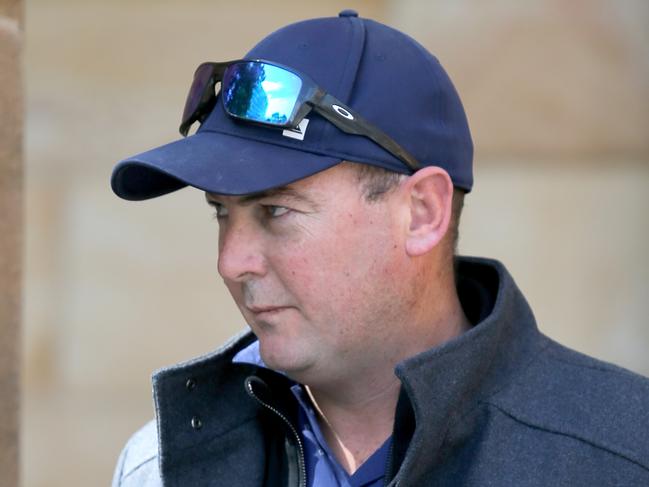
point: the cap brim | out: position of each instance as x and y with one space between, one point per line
216 163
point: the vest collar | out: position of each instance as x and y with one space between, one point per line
443 384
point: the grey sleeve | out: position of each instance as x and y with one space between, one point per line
119 468
138 462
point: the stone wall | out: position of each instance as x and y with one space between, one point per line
11 212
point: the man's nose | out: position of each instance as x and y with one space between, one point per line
240 253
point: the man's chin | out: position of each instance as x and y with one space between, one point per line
283 360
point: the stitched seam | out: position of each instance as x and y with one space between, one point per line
531 424
457 419
485 399
600 368
344 70
542 349
130 472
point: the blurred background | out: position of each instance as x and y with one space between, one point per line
557 95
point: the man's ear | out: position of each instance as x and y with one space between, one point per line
429 194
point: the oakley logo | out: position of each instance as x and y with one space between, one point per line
298 132
341 111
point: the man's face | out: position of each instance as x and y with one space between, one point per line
314 269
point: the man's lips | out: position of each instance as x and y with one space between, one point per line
265 309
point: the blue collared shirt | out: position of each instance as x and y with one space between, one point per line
322 467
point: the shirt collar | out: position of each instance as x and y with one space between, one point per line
250 355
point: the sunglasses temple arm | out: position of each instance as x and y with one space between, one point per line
208 97
354 124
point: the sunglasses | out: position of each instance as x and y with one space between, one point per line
273 95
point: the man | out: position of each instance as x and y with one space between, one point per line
336 157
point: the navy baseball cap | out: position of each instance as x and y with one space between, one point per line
383 74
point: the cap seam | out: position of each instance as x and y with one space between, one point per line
351 21
438 99
328 127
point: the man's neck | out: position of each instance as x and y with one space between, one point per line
354 430
357 417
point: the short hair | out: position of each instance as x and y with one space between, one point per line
376 182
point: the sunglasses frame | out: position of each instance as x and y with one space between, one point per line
311 97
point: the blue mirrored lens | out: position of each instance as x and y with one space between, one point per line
260 92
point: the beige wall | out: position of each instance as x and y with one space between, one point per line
11 216
556 93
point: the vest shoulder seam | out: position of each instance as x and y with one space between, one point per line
589 441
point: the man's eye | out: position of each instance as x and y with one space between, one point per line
220 211
275 211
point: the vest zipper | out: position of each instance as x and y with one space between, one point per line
301 463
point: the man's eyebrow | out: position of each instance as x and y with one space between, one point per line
284 191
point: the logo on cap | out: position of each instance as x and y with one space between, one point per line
298 132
